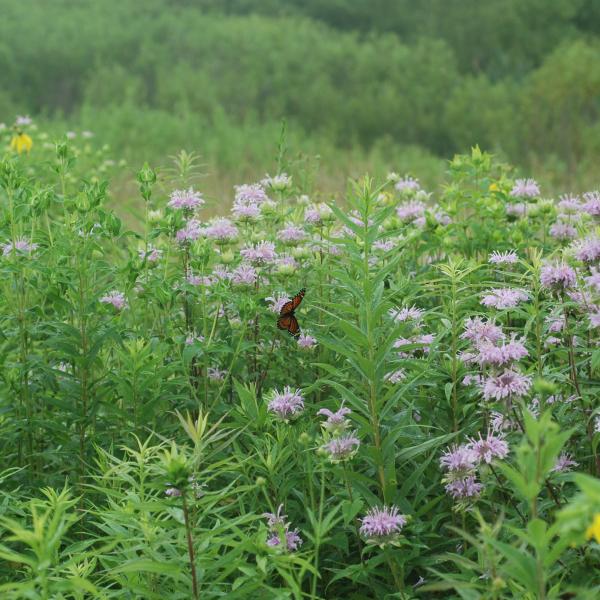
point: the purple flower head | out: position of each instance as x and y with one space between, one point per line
190 233
489 448
477 330
152 255
21 246
245 212
384 245
563 231
185 199
286 264
317 214
507 352
342 448
293 541
117 299
525 188
244 275
286 405
594 317
555 323
277 519
592 203
459 459
197 280
508 384
593 280
407 184
557 276
570 203
516 210
306 341
461 489
336 422
250 194
291 234
409 211
382 525
503 258
173 492
221 230
395 376
406 314
587 250
564 463
276 303
502 298
261 253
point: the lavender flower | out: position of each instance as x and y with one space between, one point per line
117 299
407 184
587 250
502 298
250 194
384 245
563 231
564 463
246 212
336 422
557 276
342 448
280 532
382 525
570 203
489 448
185 200
306 341
277 302
221 230
409 211
190 233
291 234
477 330
592 203
151 255
406 314
461 489
244 275
277 183
459 460
593 280
286 405
525 188
507 352
20 246
395 376
508 384
503 258
516 210
261 253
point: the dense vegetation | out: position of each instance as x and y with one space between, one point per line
431 433
366 84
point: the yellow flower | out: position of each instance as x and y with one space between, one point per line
593 531
494 187
21 142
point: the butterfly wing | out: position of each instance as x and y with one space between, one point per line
293 304
294 327
284 322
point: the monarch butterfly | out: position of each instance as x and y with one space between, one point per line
287 318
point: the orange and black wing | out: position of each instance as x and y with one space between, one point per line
289 323
293 304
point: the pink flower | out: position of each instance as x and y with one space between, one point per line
557 276
499 258
563 231
587 250
276 303
190 233
185 199
244 275
525 188
261 253
152 255
20 246
502 298
245 212
459 459
382 525
594 279
507 352
592 203
464 488
291 234
395 376
409 211
564 463
221 230
489 448
508 384
250 194
117 299
336 421
306 341
477 330
342 448
406 314
570 203
407 184
286 405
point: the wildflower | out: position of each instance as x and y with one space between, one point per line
593 531
382 525
277 183
245 212
563 231
250 194
409 211
592 203
185 199
557 276
407 184
222 230
489 448
117 299
21 142
306 341
244 275
318 214
277 303
564 463
459 459
507 352
508 384
190 233
197 280
384 245
261 253
406 314
594 279
555 323
500 258
286 405
395 376
342 448
336 422
215 374
278 525
502 298
477 330
587 250
594 317
21 246
464 488
525 188
569 203
291 234
286 265
151 255
516 210
498 421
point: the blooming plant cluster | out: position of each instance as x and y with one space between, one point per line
432 427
